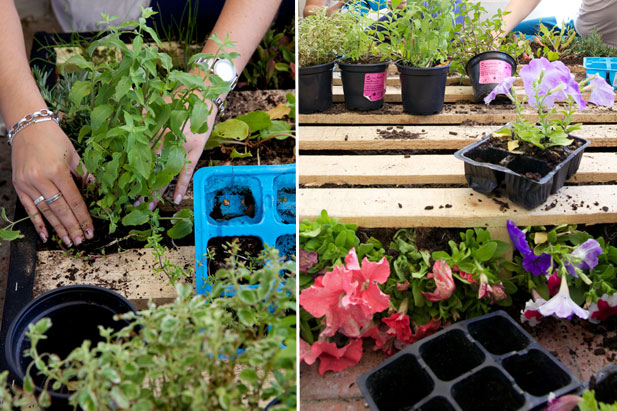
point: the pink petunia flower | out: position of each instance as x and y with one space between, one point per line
367 294
604 308
307 260
331 357
496 292
444 283
564 403
398 326
562 305
553 283
531 313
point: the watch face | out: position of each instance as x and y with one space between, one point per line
225 70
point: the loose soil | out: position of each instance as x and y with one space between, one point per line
250 247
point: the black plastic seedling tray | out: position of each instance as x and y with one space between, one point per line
486 363
484 174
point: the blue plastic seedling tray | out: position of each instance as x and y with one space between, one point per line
606 67
240 201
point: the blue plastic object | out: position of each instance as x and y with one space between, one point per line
606 67
239 201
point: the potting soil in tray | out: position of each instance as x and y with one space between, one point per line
529 181
486 363
252 202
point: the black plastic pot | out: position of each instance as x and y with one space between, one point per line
488 69
364 85
423 88
76 312
315 88
486 363
484 174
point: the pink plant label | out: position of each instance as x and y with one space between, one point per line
494 71
374 86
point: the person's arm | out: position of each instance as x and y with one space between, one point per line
42 155
519 10
313 6
246 26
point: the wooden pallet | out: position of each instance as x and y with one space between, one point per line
379 188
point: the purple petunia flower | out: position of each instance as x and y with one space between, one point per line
537 264
588 253
557 83
501 88
602 93
518 238
562 305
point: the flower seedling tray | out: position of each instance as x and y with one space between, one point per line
606 67
484 174
486 363
241 201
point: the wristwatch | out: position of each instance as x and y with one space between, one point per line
226 71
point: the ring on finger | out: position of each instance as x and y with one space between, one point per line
38 200
53 198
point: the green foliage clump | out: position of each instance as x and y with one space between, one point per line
272 64
321 38
233 352
555 43
593 46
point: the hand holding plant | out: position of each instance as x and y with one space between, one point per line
545 83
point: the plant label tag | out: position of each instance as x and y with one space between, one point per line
494 71
374 86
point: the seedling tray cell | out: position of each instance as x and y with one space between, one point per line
240 201
606 67
486 363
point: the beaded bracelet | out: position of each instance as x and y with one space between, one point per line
37 117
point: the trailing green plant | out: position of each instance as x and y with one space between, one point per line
555 43
593 46
199 352
273 63
7 233
420 32
321 38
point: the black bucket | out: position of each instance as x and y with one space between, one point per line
364 85
423 88
315 88
75 312
486 70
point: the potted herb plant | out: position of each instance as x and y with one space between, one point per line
320 40
535 159
363 64
419 36
490 62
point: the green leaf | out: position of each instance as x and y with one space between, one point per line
119 398
199 116
136 217
80 90
246 316
257 120
177 120
123 87
140 157
80 62
232 129
100 116
249 375
485 252
181 229
277 127
247 296
236 154
10 235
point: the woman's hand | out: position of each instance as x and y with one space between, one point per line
43 159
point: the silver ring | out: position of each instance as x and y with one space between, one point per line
53 198
38 200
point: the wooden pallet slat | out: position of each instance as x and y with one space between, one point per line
422 169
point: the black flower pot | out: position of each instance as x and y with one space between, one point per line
315 88
364 85
486 167
488 69
75 312
423 88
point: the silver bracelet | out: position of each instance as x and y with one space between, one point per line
37 117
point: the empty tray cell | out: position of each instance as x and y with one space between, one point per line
285 187
487 155
400 384
604 384
536 373
436 404
451 354
234 199
487 389
498 335
529 167
286 244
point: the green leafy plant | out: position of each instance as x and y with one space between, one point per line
555 43
7 233
320 38
361 36
235 352
593 46
273 63
420 33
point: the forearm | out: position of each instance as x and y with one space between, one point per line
518 11
19 94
